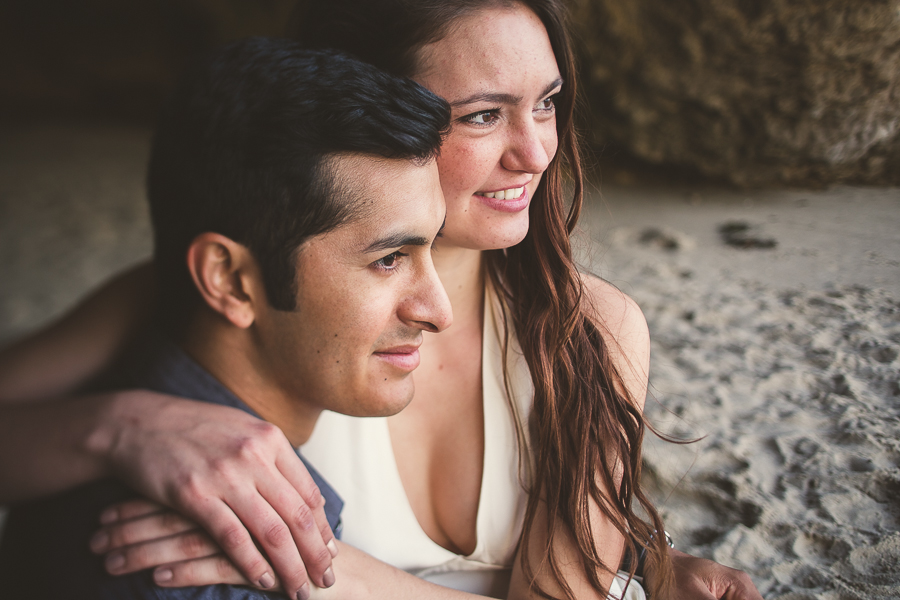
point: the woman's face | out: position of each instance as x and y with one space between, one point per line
497 70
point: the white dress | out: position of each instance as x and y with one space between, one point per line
356 457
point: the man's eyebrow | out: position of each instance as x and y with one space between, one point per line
397 240
498 98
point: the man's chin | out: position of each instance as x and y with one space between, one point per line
385 397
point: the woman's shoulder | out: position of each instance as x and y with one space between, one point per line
613 309
624 330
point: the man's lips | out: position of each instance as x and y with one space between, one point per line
405 358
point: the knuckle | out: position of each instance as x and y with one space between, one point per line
221 467
170 520
254 567
136 557
193 544
190 490
321 557
314 497
186 573
277 535
233 538
248 448
303 517
119 535
223 567
269 433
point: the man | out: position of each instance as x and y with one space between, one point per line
295 199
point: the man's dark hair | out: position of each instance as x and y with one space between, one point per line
242 150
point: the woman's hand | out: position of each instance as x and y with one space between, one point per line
153 536
233 474
699 578
141 534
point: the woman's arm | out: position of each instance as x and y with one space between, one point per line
47 447
144 535
624 328
50 445
65 355
234 474
625 331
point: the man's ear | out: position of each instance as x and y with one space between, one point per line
227 276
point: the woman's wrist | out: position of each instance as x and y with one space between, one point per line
47 447
115 413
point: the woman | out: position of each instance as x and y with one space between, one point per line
507 69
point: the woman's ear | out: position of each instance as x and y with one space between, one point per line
227 277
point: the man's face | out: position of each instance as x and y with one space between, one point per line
366 291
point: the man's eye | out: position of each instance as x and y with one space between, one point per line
546 105
389 262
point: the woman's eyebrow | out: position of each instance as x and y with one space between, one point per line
500 98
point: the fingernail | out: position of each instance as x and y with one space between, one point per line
328 577
109 515
115 561
303 592
266 581
163 575
99 542
332 547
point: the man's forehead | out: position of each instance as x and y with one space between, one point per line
388 196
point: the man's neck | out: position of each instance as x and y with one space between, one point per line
228 354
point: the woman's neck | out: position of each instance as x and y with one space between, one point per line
461 273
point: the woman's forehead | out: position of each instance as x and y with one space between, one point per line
488 46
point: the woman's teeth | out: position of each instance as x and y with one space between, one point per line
509 194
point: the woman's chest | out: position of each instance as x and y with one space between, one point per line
429 479
438 444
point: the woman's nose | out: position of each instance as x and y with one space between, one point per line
531 147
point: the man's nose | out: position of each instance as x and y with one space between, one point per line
428 307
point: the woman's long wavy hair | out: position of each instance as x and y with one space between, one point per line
585 429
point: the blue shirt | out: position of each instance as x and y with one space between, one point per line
44 552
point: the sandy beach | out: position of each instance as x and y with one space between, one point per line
780 351
774 318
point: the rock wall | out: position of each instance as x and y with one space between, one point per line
751 91
107 58
756 92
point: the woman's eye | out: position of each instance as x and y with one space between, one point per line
485 117
389 262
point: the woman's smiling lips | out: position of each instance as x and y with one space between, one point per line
405 358
506 200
